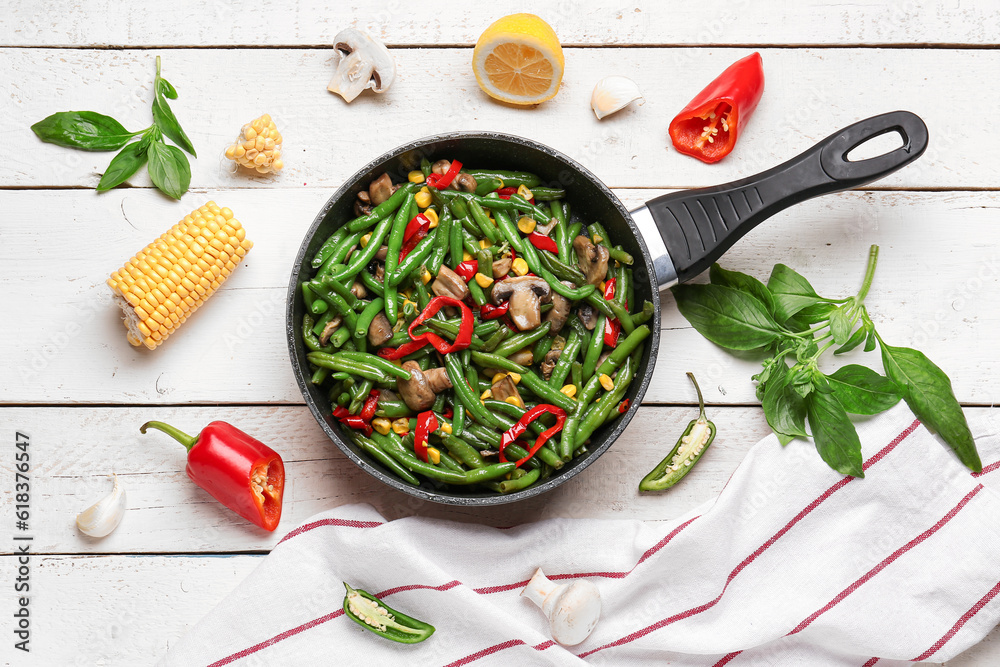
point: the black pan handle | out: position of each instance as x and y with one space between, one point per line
698 226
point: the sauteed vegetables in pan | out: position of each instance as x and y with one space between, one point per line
468 330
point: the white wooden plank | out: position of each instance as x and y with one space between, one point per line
585 22
73 450
811 93
148 603
936 289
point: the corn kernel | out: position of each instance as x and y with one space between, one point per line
607 382
526 225
486 394
258 147
365 239
401 426
415 176
524 191
423 199
569 390
484 243
431 215
446 427
514 400
433 455
483 281
604 285
520 266
466 256
382 425
515 377
425 190
425 275
597 238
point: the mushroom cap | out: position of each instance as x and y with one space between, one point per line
371 52
449 283
503 289
593 259
416 392
526 295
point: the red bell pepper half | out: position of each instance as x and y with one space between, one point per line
515 431
441 181
427 423
240 472
707 128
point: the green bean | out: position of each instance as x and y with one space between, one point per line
391 303
593 352
510 178
523 482
326 249
469 224
609 402
338 363
458 420
372 285
462 450
600 304
319 375
450 463
395 243
373 450
566 358
489 230
509 231
384 209
487 473
488 185
574 230
377 362
455 244
392 408
465 393
470 242
619 255
344 399
308 297
340 305
560 269
576 372
528 378
425 167
645 315
448 330
339 253
441 245
515 203
327 285
367 315
361 259
547 194
493 341
573 294
521 340
411 462
541 348
417 256
308 337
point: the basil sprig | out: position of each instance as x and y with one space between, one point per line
794 326
90 131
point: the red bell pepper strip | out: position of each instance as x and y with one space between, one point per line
414 233
392 354
464 337
427 423
358 423
543 242
467 269
623 407
609 289
515 431
505 193
441 181
371 403
612 328
707 128
240 472
488 312
340 412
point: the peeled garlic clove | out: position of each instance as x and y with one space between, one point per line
613 93
103 516
572 609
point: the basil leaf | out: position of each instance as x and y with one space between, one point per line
126 163
169 169
856 339
871 341
927 390
835 436
800 380
840 325
726 316
742 282
785 410
791 292
862 391
86 130
164 88
167 122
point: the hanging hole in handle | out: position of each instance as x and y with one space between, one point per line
876 146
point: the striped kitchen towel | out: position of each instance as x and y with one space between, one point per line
792 564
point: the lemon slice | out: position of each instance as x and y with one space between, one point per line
518 60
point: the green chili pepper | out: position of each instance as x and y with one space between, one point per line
689 449
375 616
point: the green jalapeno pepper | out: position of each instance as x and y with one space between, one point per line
689 449
375 616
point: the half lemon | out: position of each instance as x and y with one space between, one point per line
518 60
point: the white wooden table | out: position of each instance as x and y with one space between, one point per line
72 383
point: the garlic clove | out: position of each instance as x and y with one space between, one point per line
103 517
573 609
613 93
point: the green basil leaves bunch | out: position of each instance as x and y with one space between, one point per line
788 321
90 131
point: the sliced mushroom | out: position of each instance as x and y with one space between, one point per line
501 267
549 362
547 228
358 290
328 330
380 273
380 330
361 209
523 357
364 197
382 253
504 388
361 63
464 183
416 392
526 295
587 315
449 283
441 167
560 310
593 259
380 189
438 379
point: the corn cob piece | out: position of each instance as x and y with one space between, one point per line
171 277
258 146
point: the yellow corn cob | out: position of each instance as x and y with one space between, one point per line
258 146
171 277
